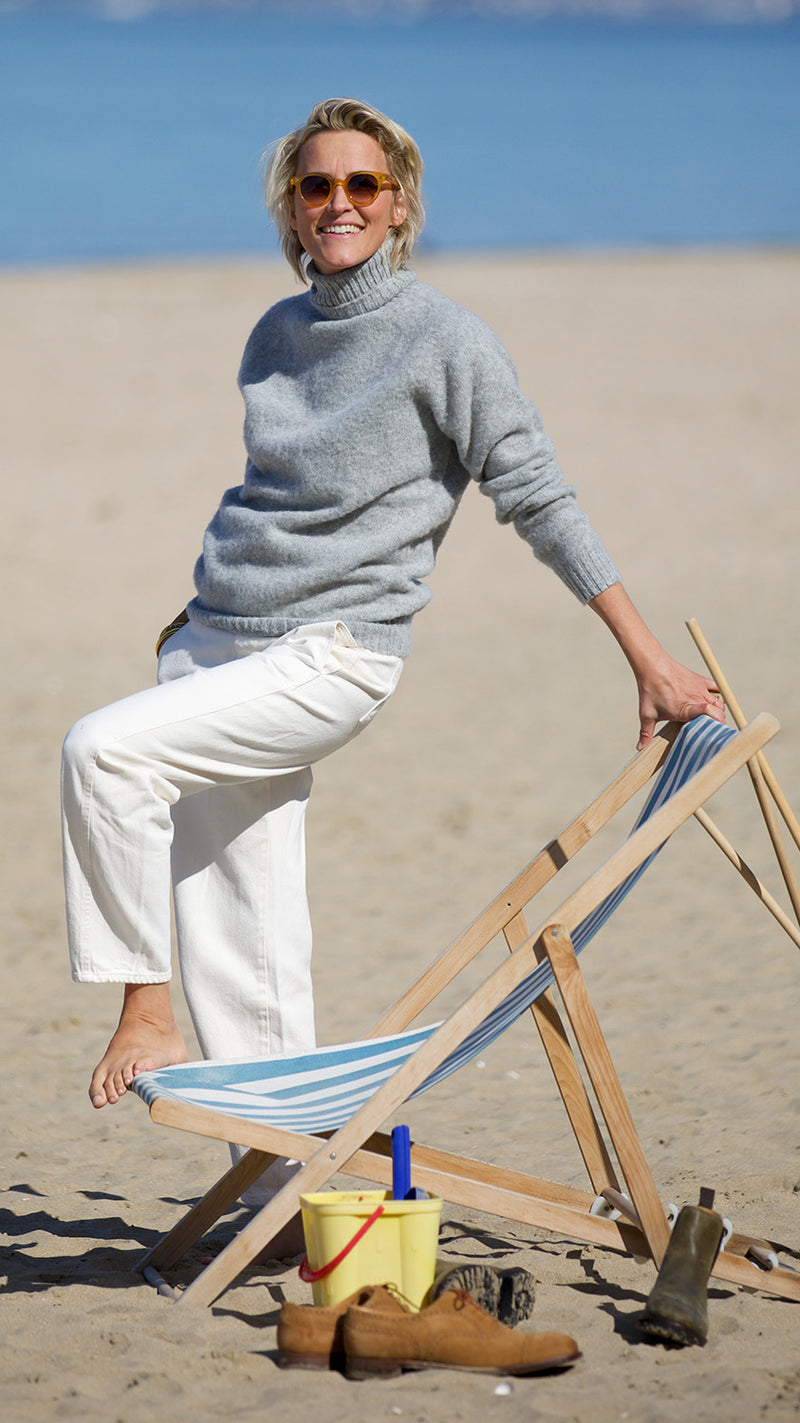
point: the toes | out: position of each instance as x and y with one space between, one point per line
107 1088
98 1095
118 1089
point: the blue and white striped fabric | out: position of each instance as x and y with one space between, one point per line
312 1092
321 1090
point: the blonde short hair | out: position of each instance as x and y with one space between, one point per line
403 160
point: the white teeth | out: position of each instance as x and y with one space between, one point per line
343 227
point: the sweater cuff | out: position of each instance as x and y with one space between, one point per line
590 575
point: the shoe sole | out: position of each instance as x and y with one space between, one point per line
289 1359
358 1368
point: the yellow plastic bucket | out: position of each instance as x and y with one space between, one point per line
357 1238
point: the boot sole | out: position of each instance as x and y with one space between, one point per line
669 1331
507 1295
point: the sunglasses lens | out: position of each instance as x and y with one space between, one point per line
315 190
362 189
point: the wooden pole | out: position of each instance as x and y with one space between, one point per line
754 882
740 720
760 774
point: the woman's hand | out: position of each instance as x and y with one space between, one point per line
671 692
667 690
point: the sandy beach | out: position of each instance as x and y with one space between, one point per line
669 384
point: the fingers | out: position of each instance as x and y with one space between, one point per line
715 706
647 728
712 705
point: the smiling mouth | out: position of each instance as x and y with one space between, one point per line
342 229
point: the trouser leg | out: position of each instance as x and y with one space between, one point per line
243 927
241 913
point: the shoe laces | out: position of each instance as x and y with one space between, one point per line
396 1293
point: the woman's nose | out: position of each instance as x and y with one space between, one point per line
338 199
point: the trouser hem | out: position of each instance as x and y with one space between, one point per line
81 976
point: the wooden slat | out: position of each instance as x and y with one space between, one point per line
432 1160
567 1074
785 1283
372 1159
607 1089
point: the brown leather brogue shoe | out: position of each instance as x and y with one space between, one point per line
310 1335
452 1333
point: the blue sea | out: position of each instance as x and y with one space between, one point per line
133 129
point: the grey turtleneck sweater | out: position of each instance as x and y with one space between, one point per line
371 401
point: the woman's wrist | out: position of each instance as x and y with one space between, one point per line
641 648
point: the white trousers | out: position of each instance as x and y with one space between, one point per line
211 770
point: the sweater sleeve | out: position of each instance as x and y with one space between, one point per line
502 445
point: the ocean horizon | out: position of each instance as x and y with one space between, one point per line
135 128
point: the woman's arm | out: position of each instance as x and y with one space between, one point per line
667 691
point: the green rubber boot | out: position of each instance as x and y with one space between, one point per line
677 1309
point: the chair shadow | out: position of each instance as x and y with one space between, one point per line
468 1240
113 1246
113 1251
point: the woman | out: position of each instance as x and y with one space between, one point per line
371 401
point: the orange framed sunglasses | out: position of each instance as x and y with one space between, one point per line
361 189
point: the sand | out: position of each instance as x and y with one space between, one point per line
669 383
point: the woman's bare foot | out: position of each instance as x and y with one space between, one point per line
146 1037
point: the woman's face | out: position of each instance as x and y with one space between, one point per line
339 235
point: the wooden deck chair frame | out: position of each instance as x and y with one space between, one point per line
359 1148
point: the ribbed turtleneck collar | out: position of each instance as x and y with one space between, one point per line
358 290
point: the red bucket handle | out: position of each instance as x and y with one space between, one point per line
309 1276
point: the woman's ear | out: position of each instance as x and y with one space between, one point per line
399 211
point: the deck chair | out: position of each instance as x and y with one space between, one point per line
326 1108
